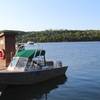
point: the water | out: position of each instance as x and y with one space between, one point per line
82 81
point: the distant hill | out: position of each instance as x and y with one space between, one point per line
59 35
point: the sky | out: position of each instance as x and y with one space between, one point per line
37 15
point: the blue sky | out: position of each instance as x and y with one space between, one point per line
30 15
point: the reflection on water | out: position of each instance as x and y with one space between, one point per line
32 92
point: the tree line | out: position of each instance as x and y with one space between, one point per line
59 36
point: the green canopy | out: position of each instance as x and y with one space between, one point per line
30 53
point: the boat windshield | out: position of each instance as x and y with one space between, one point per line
18 63
14 61
21 62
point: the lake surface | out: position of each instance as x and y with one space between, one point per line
82 80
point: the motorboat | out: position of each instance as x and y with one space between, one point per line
29 66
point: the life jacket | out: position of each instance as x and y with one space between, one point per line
2 54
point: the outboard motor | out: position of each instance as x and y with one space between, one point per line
58 64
